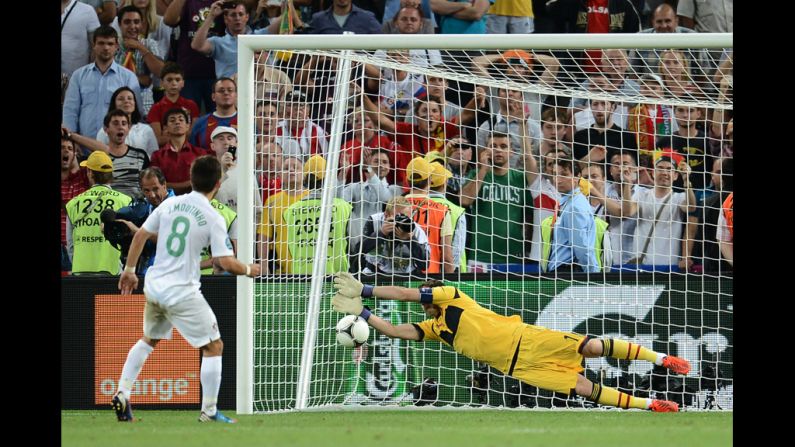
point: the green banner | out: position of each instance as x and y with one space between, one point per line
691 318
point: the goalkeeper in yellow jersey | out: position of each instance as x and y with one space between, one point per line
541 357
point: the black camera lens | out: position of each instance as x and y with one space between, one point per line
404 223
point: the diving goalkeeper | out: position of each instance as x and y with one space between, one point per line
541 357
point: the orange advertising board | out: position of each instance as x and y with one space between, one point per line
171 374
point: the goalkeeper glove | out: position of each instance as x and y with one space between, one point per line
347 285
347 305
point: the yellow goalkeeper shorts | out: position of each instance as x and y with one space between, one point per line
548 359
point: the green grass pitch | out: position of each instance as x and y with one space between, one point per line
404 428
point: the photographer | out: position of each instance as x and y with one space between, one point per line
120 227
393 243
223 143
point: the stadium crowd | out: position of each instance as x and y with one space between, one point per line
435 175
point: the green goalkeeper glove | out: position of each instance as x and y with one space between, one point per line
347 305
349 286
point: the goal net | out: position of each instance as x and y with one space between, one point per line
456 158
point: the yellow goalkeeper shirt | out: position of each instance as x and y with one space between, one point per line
470 329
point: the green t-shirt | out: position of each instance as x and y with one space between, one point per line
499 213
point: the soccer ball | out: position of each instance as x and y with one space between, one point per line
352 331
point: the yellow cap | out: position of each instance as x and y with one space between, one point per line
440 175
432 156
98 161
418 170
316 165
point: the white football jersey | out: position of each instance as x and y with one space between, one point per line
184 226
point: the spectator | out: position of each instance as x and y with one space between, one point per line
510 118
155 190
397 89
266 122
371 194
152 26
545 194
225 99
362 141
91 86
428 134
392 7
614 65
664 20
73 183
223 49
105 9
224 146
722 186
601 204
408 18
297 125
725 233
173 83
624 184
650 122
436 88
303 217
459 162
393 243
141 135
78 22
674 70
659 233
140 55
89 251
598 143
691 142
434 218
553 130
343 16
269 160
501 203
573 232
272 249
128 161
522 67
187 16
709 16
461 16
510 17
175 157
438 193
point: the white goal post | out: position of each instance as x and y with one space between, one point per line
359 48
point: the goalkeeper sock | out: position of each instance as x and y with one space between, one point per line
604 395
132 367
211 383
624 350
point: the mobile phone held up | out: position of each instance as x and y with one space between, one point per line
232 150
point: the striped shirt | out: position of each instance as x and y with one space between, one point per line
126 169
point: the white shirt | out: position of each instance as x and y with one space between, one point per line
75 42
141 136
545 196
227 193
184 225
723 233
665 241
622 230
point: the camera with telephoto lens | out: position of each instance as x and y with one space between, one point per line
404 223
118 234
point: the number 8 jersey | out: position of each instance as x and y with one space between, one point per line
184 226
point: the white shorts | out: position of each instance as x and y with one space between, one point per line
192 317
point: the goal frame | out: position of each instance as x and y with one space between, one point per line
248 44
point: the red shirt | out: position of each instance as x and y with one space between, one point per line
413 143
269 186
598 21
176 165
73 186
164 105
355 147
